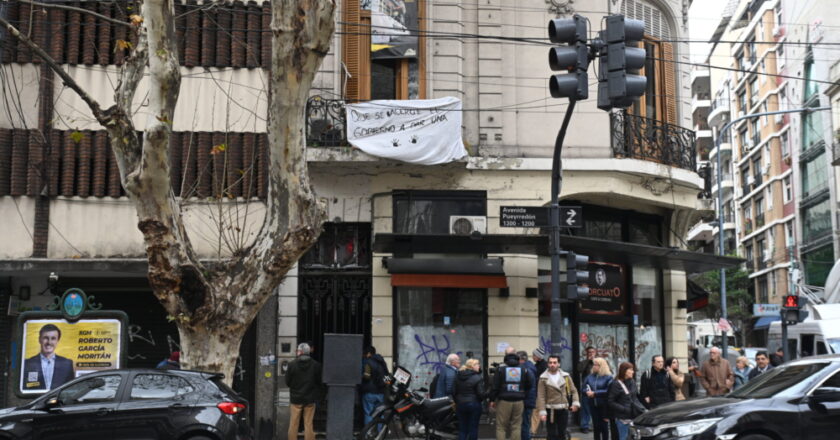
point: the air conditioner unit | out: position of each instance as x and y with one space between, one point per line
778 119
467 224
777 31
750 179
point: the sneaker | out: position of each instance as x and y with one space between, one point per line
584 430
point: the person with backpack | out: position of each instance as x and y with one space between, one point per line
531 398
511 384
372 388
469 393
657 387
623 399
556 396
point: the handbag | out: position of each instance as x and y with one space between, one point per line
636 407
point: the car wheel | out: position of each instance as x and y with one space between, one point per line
754 437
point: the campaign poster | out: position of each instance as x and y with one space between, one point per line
394 25
55 351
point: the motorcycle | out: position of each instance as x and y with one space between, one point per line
411 414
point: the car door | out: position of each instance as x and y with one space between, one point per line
821 414
87 406
156 406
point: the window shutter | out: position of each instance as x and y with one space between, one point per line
351 50
669 76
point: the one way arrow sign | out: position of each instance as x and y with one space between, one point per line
571 217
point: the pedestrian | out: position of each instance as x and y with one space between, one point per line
678 378
585 369
446 382
530 398
762 365
538 355
693 374
742 371
303 377
596 386
716 374
656 386
469 393
623 399
556 396
173 362
777 358
511 384
372 388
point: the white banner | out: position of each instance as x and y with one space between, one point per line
426 131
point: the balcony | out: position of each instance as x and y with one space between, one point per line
636 137
719 112
757 179
759 220
326 121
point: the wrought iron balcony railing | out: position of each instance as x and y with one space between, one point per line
326 121
649 139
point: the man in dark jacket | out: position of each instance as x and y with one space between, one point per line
762 365
511 385
446 382
303 377
777 358
656 387
530 398
372 388
538 355
585 369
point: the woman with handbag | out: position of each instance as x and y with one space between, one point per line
596 386
623 398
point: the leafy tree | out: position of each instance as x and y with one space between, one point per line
739 299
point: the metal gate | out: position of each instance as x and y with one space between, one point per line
333 303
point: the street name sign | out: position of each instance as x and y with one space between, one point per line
538 217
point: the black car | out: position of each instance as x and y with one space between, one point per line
796 401
133 404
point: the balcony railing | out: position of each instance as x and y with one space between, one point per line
649 139
757 179
326 120
719 102
759 220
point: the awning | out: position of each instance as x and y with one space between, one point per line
597 250
765 321
447 272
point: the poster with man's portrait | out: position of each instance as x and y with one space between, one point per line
55 351
394 25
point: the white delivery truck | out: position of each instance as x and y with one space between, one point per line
818 334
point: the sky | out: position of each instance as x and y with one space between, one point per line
703 18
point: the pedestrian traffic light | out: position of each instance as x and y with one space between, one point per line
792 312
577 276
573 58
619 83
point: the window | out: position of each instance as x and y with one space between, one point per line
811 130
158 386
761 250
383 79
787 189
816 221
428 212
742 102
789 234
763 297
745 139
340 246
811 88
815 175
783 139
94 390
764 110
753 54
749 257
756 132
753 92
783 104
739 61
777 11
817 264
788 379
780 55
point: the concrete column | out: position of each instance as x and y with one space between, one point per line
676 340
514 320
382 310
286 344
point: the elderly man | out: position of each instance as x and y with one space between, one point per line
716 374
303 377
446 381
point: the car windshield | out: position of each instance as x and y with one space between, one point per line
834 344
777 380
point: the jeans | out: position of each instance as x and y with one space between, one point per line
526 423
585 411
556 422
369 403
623 430
599 425
469 414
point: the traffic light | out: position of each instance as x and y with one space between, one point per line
619 83
792 312
573 58
577 276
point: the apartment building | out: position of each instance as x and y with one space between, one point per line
389 265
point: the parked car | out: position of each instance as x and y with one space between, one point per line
796 401
133 404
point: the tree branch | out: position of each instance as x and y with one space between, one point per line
75 9
94 106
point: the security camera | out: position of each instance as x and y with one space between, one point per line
53 277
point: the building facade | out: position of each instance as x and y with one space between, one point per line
389 265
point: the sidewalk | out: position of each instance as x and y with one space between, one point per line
487 432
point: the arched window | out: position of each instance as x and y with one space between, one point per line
660 99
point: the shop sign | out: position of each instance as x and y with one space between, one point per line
72 339
767 310
607 292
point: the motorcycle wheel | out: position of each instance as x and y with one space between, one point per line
381 429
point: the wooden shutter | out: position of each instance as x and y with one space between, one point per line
669 78
355 51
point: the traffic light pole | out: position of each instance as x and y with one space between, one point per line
556 183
